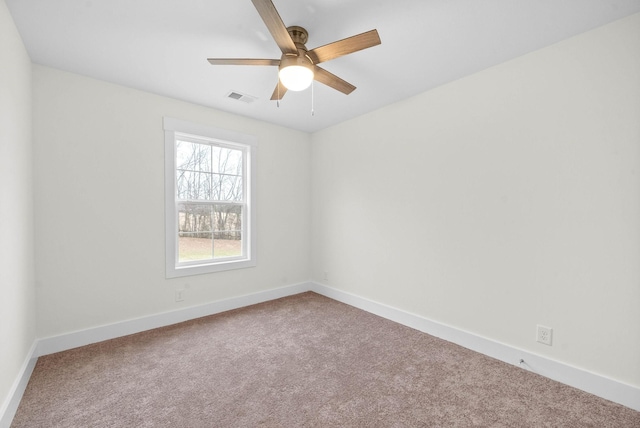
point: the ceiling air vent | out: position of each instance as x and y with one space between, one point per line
235 95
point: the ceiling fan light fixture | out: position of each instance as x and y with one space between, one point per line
296 73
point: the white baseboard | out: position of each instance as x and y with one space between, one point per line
595 384
10 405
49 345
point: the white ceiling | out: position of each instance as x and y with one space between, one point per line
161 46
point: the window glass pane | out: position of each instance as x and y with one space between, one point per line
204 186
193 185
184 184
227 231
226 187
195 232
193 156
226 161
208 232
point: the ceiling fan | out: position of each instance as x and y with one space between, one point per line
298 65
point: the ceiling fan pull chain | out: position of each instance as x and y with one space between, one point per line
278 100
313 113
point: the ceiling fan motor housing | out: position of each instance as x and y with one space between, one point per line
298 34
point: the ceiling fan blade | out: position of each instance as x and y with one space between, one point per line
279 91
243 61
333 81
344 46
276 27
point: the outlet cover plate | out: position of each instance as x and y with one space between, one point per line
544 334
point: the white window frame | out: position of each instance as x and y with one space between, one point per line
194 132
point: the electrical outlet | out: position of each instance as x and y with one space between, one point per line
544 334
325 275
179 295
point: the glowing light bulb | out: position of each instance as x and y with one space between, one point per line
296 73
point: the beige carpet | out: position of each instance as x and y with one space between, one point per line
301 361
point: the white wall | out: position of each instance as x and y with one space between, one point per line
99 168
503 200
17 301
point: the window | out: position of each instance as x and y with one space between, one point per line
209 208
